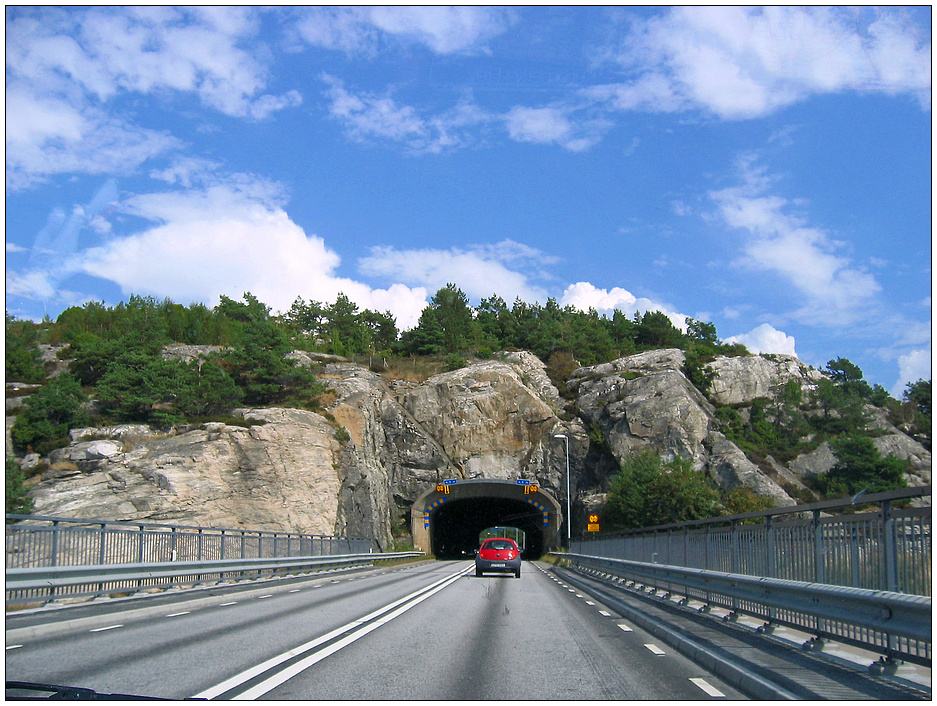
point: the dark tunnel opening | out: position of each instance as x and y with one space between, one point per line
457 524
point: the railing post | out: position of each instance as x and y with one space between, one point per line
890 553
102 556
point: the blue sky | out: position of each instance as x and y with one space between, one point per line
768 170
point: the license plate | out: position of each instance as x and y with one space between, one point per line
497 566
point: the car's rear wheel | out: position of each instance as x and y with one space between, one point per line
478 572
517 574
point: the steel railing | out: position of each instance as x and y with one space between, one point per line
887 549
34 542
107 579
862 578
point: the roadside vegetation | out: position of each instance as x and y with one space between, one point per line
117 372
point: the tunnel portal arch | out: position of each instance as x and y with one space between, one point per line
447 519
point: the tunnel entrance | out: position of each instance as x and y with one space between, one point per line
458 523
447 519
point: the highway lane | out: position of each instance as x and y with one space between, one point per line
427 631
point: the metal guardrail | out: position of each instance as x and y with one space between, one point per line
895 625
120 578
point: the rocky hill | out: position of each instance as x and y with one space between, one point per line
357 466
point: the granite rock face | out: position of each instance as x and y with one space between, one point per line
355 466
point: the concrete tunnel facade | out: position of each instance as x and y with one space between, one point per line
447 519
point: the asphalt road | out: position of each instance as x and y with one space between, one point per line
425 631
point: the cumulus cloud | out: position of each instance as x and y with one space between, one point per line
444 30
585 296
504 269
912 366
765 339
67 66
741 62
229 238
778 239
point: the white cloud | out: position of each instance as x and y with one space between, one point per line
47 136
552 125
739 62
369 116
230 238
778 240
479 271
912 366
445 30
765 339
585 296
65 67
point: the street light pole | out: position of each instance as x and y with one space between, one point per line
569 514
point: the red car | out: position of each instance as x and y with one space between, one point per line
499 555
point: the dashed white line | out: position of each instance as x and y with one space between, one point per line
109 627
707 687
626 628
293 590
269 595
176 615
655 649
605 613
590 602
13 647
221 605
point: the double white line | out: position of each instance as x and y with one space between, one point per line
257 681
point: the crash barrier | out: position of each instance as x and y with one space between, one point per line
894 625
838 542
41 542
105 579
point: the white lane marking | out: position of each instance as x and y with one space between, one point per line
654 648
293 590
13 647
221 605
269 595
109 627
590 602
176 615
626 628
579 595
281 677
605 613
707 687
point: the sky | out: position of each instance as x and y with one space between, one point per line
765 169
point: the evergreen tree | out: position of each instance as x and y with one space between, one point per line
647 492
23 360
50 412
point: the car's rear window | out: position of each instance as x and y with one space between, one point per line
497 544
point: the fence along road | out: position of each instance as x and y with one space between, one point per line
55 553
862 578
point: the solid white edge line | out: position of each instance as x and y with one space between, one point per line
252 672
707 687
